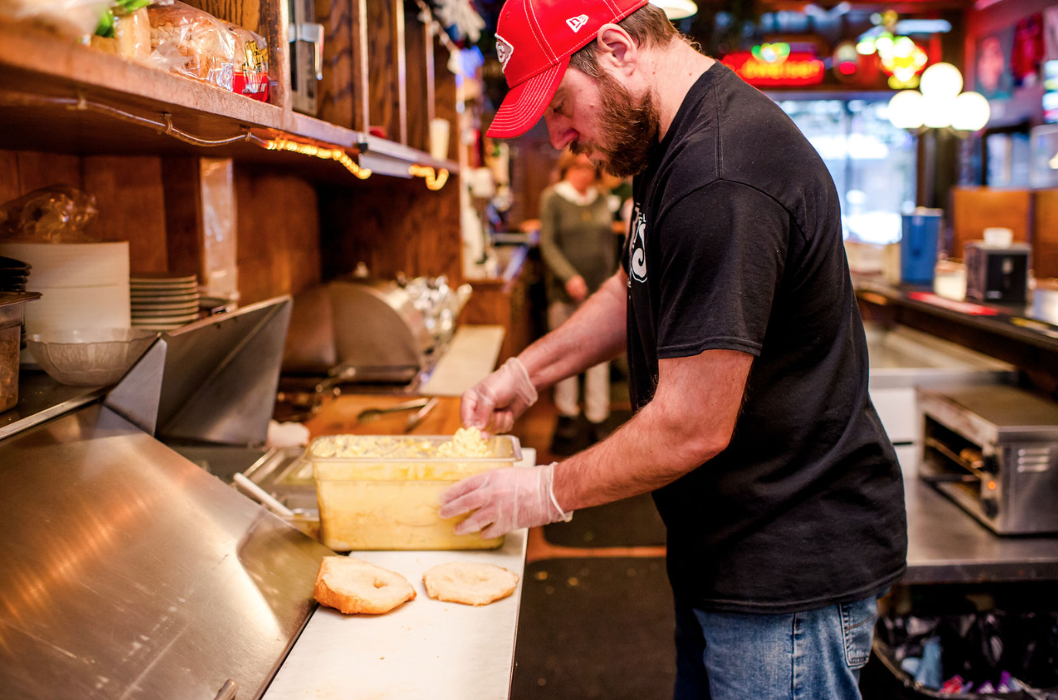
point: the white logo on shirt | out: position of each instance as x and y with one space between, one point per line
637 248
575 23
503 51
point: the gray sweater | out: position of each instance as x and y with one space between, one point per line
575 240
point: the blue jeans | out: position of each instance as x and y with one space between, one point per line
813 655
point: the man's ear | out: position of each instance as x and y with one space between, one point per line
616 49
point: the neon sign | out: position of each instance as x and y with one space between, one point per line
901 58
775 65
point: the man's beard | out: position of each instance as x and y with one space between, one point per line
629 126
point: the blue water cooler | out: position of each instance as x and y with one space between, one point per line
918 245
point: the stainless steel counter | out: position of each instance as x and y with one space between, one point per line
423 650
946 544
903 357
129 572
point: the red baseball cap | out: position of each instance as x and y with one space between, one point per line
534 40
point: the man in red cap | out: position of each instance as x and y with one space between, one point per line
754 431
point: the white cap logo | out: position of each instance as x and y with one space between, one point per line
503 51
575 23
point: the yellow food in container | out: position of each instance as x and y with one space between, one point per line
381 492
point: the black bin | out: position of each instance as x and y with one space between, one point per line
976 646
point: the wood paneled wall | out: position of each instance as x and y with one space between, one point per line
385 49
418 50
973 209
342 90
1045 234
128 191
279 241
392 226
445 98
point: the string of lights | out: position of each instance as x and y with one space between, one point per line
434 179
307 149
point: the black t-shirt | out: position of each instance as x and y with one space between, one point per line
736 244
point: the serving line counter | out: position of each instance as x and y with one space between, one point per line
131 572
425 649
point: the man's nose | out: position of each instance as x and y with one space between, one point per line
558 128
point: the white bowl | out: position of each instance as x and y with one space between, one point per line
91 356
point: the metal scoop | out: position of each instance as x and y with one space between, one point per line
370 414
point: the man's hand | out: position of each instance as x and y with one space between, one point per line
497 400
577 288
504 500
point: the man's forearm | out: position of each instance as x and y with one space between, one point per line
641 456
594 334
689 421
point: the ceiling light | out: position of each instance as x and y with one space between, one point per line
676 9
971 112
937 112
905 109
941 80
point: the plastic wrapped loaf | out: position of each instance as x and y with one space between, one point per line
132 37
195 44
76 18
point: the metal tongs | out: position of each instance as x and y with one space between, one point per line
374 413
417 418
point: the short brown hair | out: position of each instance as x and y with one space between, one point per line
648 26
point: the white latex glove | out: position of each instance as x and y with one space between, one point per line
497 400
504 500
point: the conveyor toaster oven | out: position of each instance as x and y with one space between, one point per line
994 451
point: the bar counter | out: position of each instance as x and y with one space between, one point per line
1025 335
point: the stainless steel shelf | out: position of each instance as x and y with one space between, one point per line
41 398
947 545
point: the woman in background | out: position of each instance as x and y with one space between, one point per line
577 246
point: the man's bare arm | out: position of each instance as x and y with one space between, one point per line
689 421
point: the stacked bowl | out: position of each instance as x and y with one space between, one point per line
84 285
163 301
13 275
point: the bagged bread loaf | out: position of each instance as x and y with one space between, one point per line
192 43
132 36
197 45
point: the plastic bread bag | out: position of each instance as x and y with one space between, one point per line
128 34
55 214
76 18
192 43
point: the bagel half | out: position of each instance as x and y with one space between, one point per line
469 583
355 587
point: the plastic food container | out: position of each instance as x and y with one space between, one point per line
11 316
387 499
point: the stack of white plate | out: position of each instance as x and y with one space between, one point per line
163 301
85 285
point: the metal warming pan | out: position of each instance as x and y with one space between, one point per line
365 330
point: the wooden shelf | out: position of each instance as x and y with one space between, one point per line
59 96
